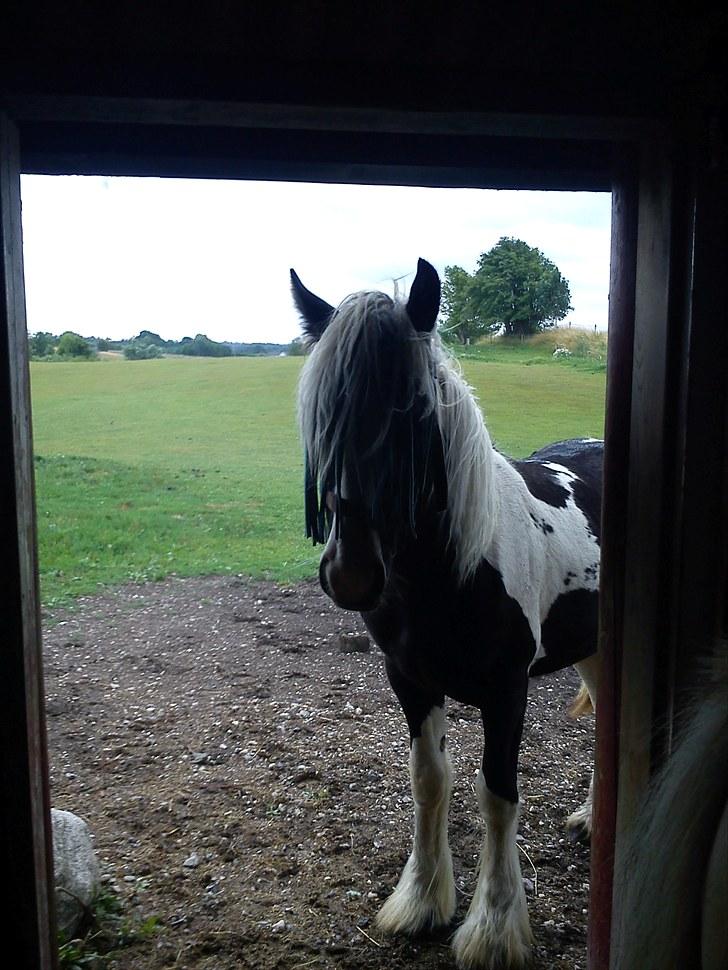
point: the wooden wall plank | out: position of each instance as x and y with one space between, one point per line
642 624
25 807
701 583
676 559
613 555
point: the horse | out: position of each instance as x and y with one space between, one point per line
671 876
471 571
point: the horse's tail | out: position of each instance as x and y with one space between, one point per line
668 896
582 703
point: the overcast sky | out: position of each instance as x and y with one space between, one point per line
112 256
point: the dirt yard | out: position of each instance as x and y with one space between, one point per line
245 780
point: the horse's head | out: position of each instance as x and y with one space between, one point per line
368 414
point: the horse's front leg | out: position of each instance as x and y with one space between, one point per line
496 932
425 894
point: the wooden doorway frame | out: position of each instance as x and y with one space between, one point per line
652 317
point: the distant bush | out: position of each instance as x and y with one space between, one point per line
73 345
585 346
579 342
42 344
256 350
152 337
202 346
106 344
142 350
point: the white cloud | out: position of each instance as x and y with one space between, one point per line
110 257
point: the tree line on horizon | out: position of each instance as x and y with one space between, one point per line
146 345
515 290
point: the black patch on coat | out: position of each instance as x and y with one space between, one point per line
542 482
541 524
569 633
584 459
450 639
471 642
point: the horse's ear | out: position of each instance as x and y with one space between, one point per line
315 312
423 304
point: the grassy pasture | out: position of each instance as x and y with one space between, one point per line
193 466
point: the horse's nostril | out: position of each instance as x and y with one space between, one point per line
352 588
323 577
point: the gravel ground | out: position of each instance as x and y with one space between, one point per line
245 780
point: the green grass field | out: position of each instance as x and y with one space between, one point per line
191 466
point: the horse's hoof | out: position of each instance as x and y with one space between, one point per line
413 915
477 945
579 834
579 826
421 901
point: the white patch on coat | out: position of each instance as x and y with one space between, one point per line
534 561
496 931
425 894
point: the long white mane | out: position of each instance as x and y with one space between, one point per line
371 357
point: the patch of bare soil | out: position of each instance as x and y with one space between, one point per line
246 781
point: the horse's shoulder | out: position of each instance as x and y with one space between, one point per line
564 471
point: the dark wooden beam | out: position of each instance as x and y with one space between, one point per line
310 117
25 807
666 436
676 561
643 627
703 457
614 550
320 153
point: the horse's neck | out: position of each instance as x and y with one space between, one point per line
513 505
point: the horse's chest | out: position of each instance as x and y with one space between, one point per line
454 639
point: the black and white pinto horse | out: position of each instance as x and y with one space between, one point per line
471 571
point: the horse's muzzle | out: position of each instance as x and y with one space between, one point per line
353 574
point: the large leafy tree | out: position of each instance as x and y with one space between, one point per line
463 320
515 287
